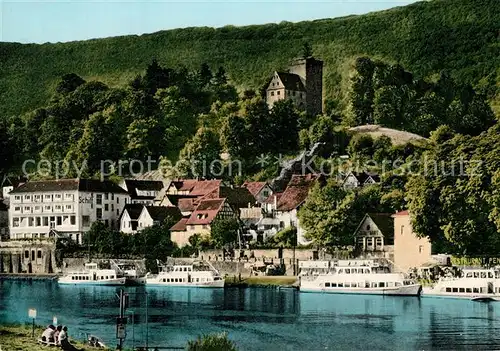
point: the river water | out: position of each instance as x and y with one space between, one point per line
259 318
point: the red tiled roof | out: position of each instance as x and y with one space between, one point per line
296 192
203 187
184 184
254 187
180 226
270 199
206 211
402 213
186 204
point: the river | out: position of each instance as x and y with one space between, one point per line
259 318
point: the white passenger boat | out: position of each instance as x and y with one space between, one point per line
201 276
130 272
474 284
92 275
362 279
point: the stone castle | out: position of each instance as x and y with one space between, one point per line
302 83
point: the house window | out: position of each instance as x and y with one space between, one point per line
17 209
402 229
48 197
420 249
112 196
37 208
368 227
38 222
73 220
15 222
38 197
378 242
117 200
98 199
27 197
26 254
39 254
99 213
106 222
30 221
68 196
58 220
272 93
117 212
86 221
48 208
112 207
27 209
58 196
58 208
69 207
45 221
106 207
278 92
106 196
17 198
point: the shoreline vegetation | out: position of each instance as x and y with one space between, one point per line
17 337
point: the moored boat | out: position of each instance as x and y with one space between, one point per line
92 275
200 276
474 284
130 272
362 279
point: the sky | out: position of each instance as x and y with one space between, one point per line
41 21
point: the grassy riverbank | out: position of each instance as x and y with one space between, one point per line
19 338
261 281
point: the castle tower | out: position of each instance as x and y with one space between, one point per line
310 71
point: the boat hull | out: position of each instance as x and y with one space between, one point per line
431 293
214 284
107 282
406 290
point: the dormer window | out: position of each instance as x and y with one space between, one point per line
200 216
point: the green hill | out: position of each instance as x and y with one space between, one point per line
461 36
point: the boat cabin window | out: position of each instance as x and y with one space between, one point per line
490 274
327 285
398 284
347 271
448 289
381 285
476 274
468 275
483 274
341 285
347 285
334 285
462 290
455 290
476 290
469 290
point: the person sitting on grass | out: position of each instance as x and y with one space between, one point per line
48 334
56 334
64 342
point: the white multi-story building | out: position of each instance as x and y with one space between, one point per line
68 207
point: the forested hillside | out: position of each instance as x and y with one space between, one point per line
460 36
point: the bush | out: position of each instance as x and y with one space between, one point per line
213 342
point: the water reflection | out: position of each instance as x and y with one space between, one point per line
260 319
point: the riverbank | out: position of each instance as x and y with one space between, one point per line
19 338
284 281
27 276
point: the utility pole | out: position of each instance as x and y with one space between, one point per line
147 326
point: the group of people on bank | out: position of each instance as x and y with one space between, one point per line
58 336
